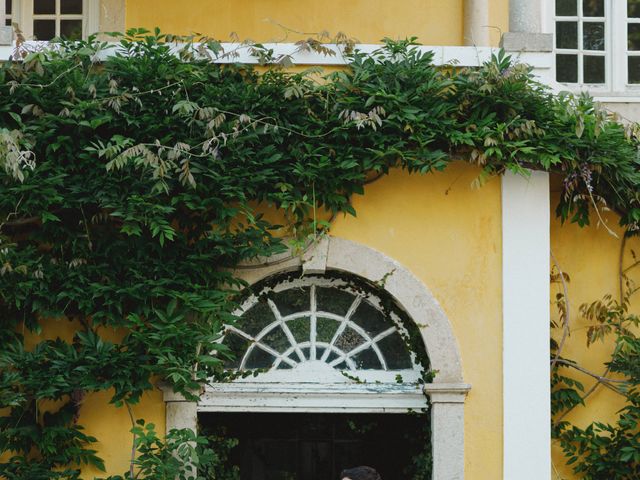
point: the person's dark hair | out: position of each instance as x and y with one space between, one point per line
360 473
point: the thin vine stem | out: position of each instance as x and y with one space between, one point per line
133 442
567 313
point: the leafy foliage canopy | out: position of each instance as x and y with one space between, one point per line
128 191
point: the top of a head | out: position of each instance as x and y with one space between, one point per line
360 473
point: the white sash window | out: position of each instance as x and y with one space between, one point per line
46 19
597 44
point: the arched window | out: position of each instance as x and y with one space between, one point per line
313 325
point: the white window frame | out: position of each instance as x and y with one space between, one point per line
7 15
616 67
23 16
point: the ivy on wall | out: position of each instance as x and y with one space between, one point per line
129 185
600 450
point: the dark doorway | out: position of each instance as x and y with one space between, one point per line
307 446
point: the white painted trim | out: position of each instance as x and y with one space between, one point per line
91 23
443 55
355 398
526 317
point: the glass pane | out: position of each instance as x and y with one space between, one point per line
368 359
69 7
348 340
277 340
567 34
342 366
370 319
44 29
325 329
238 347
634 69
306 352
7 22
395 352
300 328
7 6
566 7
633 37
259 359
332 356
44 7
333 300
633 8
71 29
567 68
292 301
593 8
594 69
258 317
593 35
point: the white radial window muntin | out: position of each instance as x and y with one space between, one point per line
328 323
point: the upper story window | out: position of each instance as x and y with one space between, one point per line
8 13
47 19
598 43
633 41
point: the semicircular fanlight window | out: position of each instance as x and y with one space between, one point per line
317 319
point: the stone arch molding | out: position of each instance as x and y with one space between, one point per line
448 391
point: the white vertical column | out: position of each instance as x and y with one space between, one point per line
525 304
476 22
525 16
525 28
447 434
181 414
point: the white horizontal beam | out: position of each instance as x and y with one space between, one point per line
362 398
239 53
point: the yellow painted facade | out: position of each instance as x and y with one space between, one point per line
434 22
591 258
443 230
454 250
425 223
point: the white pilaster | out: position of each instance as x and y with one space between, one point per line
525 287
476 22
447 433
525 16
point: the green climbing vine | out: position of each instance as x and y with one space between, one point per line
129 179
600 450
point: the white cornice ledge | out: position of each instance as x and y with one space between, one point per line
239 53
447 392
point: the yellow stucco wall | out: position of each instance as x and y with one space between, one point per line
434 22
426 223
109 424
590 256
423 222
